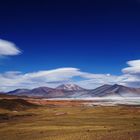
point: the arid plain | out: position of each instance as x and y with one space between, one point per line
65 120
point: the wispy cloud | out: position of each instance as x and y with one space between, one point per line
14 79
134 67
132 73
8 48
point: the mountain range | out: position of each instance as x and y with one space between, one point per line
75 91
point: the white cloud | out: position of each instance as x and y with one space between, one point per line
134 67
14 79
8 48
132 73
134 63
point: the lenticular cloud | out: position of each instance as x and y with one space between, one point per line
8 48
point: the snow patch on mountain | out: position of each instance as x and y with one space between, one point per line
70 87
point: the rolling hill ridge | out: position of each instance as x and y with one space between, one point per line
75 91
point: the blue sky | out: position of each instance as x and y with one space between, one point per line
97 36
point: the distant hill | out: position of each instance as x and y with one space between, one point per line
61 91
16 104
115 90
75 91
19 91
